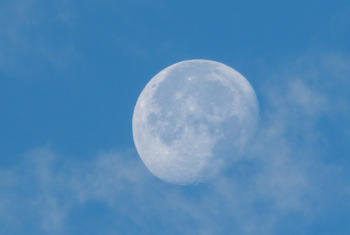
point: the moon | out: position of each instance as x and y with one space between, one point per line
193 119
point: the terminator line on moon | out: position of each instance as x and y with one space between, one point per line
192 119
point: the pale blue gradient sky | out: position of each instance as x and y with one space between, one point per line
71 73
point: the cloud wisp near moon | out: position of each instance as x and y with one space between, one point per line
290 180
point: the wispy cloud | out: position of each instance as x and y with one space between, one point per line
27 38
290 179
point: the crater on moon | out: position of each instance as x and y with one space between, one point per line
192 119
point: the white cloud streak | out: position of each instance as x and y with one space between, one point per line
285 183
26 37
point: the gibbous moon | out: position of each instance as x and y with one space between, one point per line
193 119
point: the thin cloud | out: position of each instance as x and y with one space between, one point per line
24 35
287 182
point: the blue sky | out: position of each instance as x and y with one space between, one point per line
70 76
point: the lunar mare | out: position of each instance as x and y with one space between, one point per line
192 119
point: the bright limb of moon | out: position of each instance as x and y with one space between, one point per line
192 119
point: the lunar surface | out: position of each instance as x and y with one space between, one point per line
193 119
